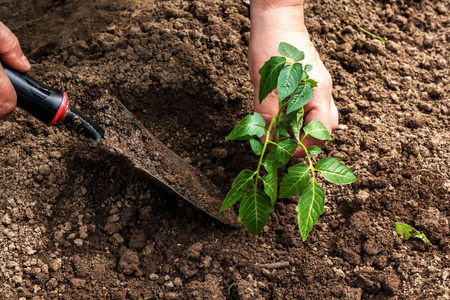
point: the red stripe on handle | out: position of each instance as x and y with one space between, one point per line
62 110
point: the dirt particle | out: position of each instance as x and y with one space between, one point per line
78 242
18 280
5 127
137 240
369 280
56 154
77 282
112 219
55 264
117 238
351 256
29 250
129 262
351 293
178 282
415 121
72 61
207 289
219 153
400 20
83 232
362 196
12 157
45 169
112 228
6 219
433 223
391 284
146 213
153 277
372 247
247 290
52 283
195 250
374 46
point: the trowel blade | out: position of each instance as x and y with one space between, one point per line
127 137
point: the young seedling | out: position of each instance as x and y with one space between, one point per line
260 189
383 41
409 231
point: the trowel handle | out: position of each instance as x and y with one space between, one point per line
45 104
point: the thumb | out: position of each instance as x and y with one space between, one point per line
10 51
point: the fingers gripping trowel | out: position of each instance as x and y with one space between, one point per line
124 136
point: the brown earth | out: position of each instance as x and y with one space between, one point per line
80 226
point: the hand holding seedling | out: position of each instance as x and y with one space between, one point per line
259 189
12 55
272 23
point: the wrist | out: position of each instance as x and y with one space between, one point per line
269 15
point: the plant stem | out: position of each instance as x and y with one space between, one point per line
275 139
309 160
266 142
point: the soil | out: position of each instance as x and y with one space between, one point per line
78 224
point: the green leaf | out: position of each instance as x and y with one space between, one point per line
287 118
248 128
257 146
308 68
334 171
314 150
281 129
310 207
300 96
405 229
409 231
288 80
271 162
297 123
290 51
285 149
317 129
240 185
270 186
304 77
295 181
269 75
255 210
312 82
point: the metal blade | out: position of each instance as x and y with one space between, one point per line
127 137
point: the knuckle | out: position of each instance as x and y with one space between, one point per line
10 43
13 44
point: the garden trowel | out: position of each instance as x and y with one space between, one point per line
118 132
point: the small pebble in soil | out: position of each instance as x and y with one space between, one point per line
362 196
154 277
52 284
6 219
177 282
374 46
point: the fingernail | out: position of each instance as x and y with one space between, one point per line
25 62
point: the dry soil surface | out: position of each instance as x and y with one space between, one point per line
77 224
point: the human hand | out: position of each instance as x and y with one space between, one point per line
274 22
12 55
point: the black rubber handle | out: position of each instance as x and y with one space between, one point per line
39 100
